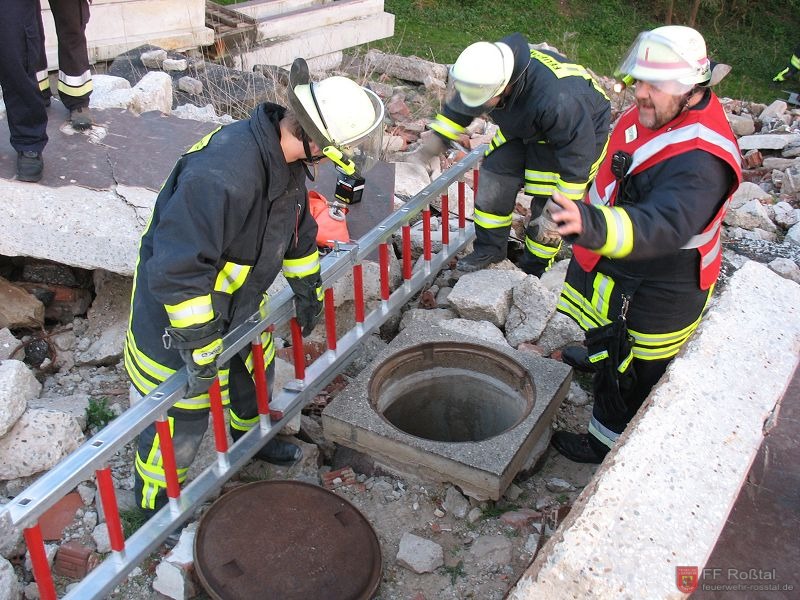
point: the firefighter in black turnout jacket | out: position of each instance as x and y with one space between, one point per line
553 123
230 216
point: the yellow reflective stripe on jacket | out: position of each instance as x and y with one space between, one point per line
203 401
539 189
497 140
602 286
490 221
301 267
231 277
596 164
194 311
447 127
540 250
562 69
75 85
795 62
570 303
203 141
619 234
145 373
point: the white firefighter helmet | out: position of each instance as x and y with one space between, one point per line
481 72
343 118
672 58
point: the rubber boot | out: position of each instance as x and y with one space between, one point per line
275 452
496 196
29 166
579 447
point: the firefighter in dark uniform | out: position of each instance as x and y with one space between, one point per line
74 78
21 54
647 249
230 216
553 123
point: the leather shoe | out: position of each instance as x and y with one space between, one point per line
477 260
577 357
29 166
278 452
579 447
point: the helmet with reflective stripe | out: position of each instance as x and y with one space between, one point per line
343 118
481 72
672 53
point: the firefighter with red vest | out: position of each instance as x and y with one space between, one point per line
552 120
646 241
230 217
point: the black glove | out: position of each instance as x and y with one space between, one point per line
308 297
198 346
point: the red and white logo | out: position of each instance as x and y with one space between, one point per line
686 578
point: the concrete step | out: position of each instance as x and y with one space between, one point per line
315 17
116 26
260 9
281 51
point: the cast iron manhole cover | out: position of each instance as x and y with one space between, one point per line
287 540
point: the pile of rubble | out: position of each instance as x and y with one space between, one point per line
62 328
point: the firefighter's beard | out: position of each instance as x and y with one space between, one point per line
655 115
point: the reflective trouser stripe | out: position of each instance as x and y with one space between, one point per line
490 221
43 79
75 85
240 423
151 471
602 433
542 251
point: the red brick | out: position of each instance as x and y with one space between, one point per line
75 560
59 516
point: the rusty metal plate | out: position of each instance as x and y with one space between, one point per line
287 540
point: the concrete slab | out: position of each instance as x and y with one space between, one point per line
482 469
664 493
116 26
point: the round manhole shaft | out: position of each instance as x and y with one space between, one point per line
451 392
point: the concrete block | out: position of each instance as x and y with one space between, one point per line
706 422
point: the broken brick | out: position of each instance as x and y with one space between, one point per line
75 560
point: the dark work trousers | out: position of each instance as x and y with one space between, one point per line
74 76
21 51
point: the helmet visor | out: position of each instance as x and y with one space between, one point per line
658 61
471 99
364 151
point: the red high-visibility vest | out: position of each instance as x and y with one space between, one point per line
704 129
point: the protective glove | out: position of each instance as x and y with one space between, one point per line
308 297
198 346
545 227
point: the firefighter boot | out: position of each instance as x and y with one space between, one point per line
276 452
493 207
29 166
579 447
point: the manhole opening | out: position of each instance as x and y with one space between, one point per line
451 392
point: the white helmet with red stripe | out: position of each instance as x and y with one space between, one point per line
672 58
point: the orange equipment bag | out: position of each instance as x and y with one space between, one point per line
331 224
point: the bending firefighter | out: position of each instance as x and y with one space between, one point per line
552 132
232 214
646 251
